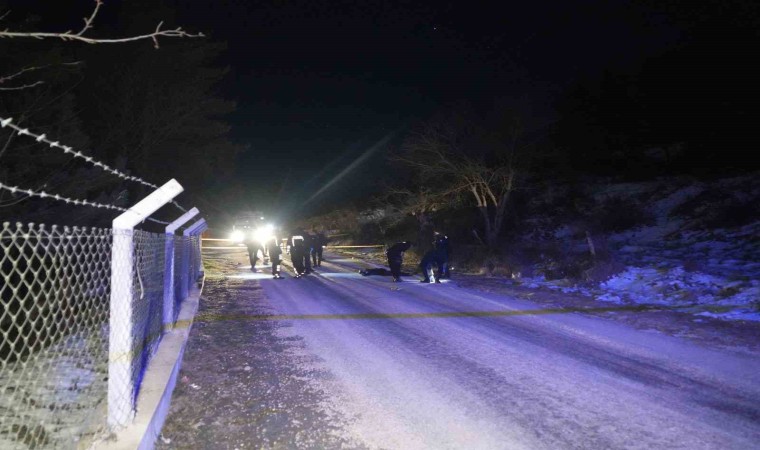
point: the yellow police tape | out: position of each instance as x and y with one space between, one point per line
180 324
354 246
327 246
437 315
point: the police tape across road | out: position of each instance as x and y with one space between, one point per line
326 246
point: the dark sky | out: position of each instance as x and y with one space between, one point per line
319 82
319 72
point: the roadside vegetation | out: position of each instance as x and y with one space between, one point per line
678 240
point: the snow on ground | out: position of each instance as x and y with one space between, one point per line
679 261
56 398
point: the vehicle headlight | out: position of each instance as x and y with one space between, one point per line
263 234
237 236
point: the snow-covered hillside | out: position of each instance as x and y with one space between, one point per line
694 245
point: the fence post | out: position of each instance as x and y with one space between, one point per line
121 389
170 264
198 230
200 248
187 280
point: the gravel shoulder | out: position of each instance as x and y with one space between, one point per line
244 384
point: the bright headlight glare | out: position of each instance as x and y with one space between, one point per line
237 236
263 234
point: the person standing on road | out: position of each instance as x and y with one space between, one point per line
275 252
308 241
443 247
395 254
297 252
253 252
320 240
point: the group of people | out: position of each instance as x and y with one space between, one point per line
270 249
306 251
434 263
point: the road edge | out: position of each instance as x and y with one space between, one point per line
155 395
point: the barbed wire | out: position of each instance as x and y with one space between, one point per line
42 138
8 123
43 194
174 202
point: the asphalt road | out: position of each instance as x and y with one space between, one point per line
337 360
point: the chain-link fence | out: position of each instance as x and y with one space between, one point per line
147 299
180 276
194 258
53 334
186 257
55 320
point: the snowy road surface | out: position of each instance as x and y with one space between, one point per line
337 360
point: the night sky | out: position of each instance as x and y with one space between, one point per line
319 82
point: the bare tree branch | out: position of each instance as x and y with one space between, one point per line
67 36
88 24
7 142
6 78
19 88
26 70
17 74
14 201
88 21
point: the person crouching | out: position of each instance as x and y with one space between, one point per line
430 260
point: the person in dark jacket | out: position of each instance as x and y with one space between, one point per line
395 254
443 247
320 240
297 252
253 252
308 241
430 260
275 252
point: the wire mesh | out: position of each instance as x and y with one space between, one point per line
53 334
187 257
56 322
180 275
195 259
147 300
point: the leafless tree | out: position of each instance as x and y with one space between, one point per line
420 202
456 158
79 36
28 88
70 35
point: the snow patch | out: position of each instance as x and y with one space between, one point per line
677 262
